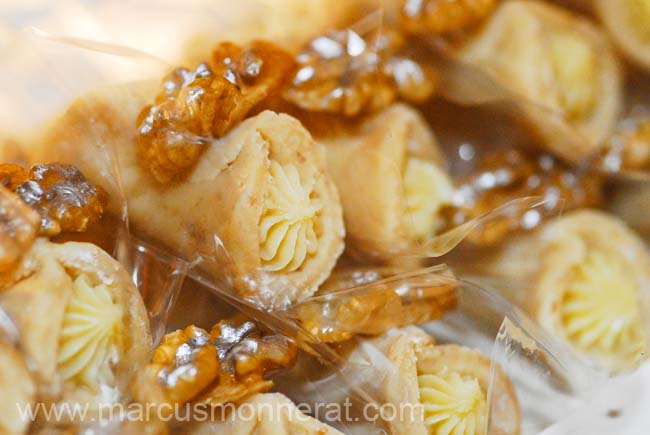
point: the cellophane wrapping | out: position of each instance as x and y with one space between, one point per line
75 47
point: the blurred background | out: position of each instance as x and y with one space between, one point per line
54 50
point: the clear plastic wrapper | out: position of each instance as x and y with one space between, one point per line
351 371
341 316
520 349
572 265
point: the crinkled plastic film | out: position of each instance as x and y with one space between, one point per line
46 75
542 370
339 359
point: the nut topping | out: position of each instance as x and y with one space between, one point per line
64 198
504 176
196 106
18 229
346 73
226 365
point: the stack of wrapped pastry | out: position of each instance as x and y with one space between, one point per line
265 203
259 206
265 191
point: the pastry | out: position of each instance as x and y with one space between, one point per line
392 181
260 164
446 386
262 191
585 278
81 323
560 65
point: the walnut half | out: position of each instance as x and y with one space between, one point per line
65 200
228 364
197 106
349 73
18 229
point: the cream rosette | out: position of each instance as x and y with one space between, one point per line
82 326
392 180
559 65
442 389
586 279
262 192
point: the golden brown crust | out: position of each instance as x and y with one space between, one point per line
368 165
38 303
548 262
401 383
223 197
515 48
412 353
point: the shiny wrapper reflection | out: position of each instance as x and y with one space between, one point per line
369 302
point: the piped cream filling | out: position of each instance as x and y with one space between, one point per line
289 222
453 404
600 310
575 69
90 335
426 189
